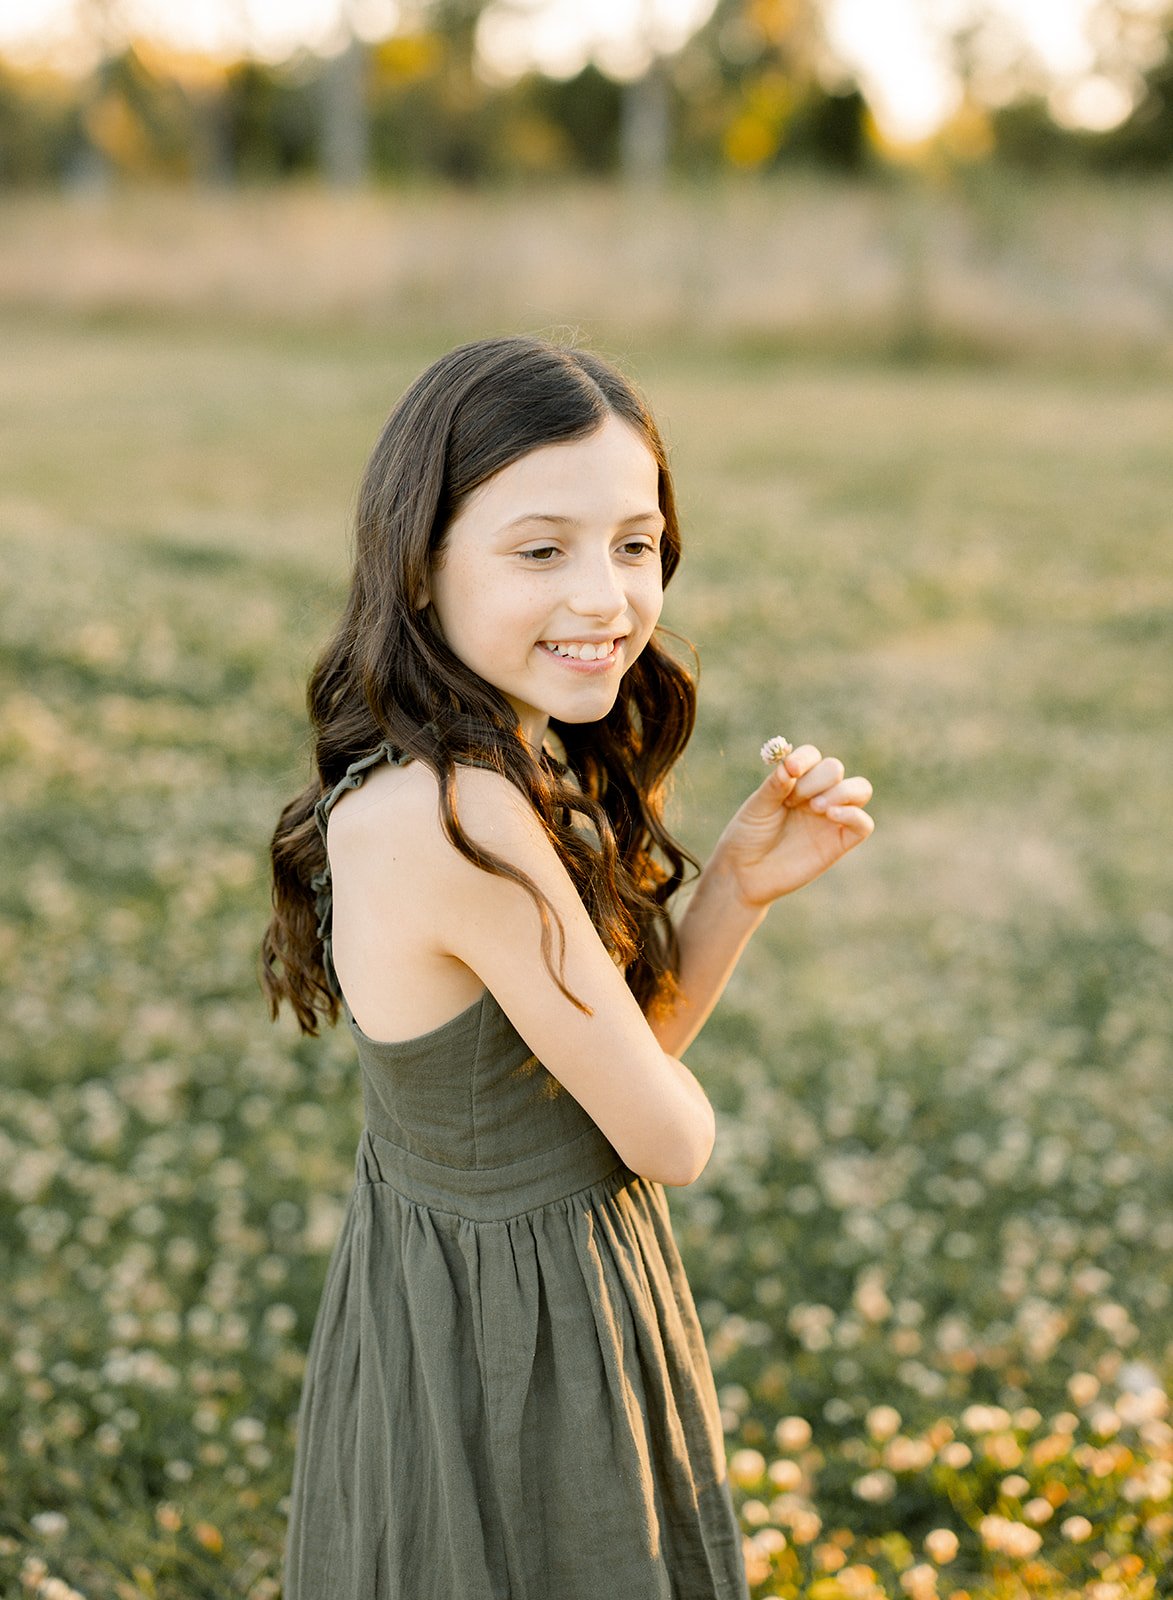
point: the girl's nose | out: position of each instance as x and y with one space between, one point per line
598 591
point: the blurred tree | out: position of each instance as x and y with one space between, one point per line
831 128
1035 122
101 27
139 118
645 124
763 88
462 146
431 113
756 87
587 113
270 122
345 139
40 126
1144 141
1026 136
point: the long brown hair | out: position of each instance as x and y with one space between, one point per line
387 675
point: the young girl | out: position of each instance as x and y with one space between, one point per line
507 1393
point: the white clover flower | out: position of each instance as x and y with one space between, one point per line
942 1544
793 1433
919 1581
50 1523
883 1421
1083 1387
903 1454
280 1318
746 1467
776 749
1077 1529
784 1474
1008 1537
805 1525
875 1487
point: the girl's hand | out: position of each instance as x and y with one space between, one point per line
803 817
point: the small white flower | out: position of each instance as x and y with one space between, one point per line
50 1523
875 1486
793 1433
942 1544
776 749
1077 1529
746 1467
883 1421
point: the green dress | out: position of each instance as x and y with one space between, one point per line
507 1394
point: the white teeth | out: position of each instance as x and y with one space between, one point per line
581 652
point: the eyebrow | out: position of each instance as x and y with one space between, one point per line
550 519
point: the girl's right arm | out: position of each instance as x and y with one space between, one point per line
646 1102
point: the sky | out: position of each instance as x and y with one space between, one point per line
891 44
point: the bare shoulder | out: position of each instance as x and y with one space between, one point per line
391 800
396 872
400 808
490 804
393 897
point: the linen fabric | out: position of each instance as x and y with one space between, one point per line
507 1394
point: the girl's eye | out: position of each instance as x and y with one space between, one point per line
538 554
640 547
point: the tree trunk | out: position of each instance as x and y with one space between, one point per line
345 132
644 128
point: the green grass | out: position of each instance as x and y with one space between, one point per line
942 1177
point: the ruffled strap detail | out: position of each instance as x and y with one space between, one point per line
320 882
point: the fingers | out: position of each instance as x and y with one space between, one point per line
852 821
849 792
819 781
802 760
814 771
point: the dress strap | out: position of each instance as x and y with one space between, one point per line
320 882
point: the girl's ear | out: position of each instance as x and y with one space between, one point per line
423 599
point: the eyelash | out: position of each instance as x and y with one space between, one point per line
532 555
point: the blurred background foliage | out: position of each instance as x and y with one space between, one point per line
758 86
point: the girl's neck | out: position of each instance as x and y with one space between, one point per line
535 735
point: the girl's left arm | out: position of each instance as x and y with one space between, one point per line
804 816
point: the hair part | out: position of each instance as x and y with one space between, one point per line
386 674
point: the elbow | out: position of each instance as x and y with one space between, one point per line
693 1159
704 1154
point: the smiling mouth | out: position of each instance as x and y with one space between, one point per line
580 652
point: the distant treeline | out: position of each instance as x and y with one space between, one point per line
416 105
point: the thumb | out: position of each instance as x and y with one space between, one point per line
775 786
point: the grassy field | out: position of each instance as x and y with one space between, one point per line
931 1250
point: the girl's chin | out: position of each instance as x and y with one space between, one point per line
580 709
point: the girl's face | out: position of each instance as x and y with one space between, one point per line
560 548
